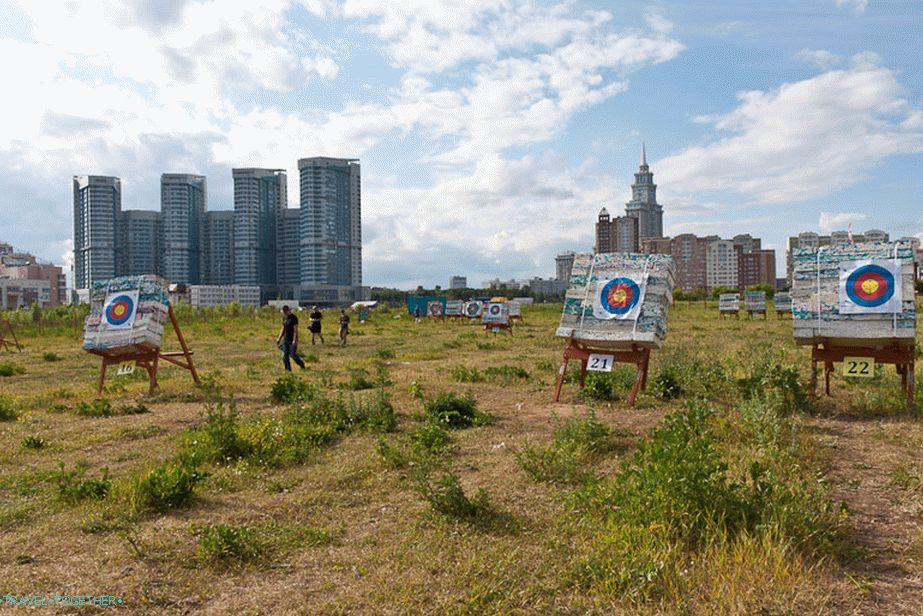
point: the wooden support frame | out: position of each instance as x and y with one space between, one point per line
149 359
781 313
726 314
762 311
496 327
8 339
828 354
640 357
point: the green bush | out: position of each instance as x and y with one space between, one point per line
574 442
464 374
358 380
164 487
768 377
290 388
609 385
72 488
447 497
454 411
666 383
138 408
100 407
429 439
219 439
50 356
10 369
222 545
7 410
384 353
392 455
33 442
505 373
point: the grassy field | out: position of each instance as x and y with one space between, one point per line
425 469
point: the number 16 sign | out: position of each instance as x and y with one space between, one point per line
598 362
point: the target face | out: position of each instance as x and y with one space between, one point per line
870 286
120 310
435 309
473 309
619 296
495 310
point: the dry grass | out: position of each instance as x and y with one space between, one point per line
343 532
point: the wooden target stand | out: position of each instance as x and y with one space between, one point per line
751 313
8 339
149 359
781 313
495 328
640 357
727 314
828 354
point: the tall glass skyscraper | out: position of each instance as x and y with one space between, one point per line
260 195
331 222
97 205
183 202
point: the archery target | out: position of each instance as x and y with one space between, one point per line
473 309
495 310
869 287
618 298
435 309
119 309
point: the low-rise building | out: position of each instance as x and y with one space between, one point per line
201 295
458 282
29 276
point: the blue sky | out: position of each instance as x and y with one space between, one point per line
490 133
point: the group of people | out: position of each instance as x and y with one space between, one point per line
287 340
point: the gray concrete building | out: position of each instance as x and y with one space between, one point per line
183 202
97 204
458 282
219 247
260 195
330 222
563 265
140 243
288 255
643 205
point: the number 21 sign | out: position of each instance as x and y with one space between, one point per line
598 362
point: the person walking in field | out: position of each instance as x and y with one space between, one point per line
287 339
344 327
314 327
417 315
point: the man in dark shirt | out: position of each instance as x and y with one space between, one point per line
314 325
288 339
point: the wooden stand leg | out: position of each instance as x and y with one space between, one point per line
910 385
583 372
639 376
102 377
813 386
828 369
562 371
647 361
182 343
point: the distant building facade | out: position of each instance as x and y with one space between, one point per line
220 295
219 247
97 204
25 281
458 282
619 234
139 249
183 202
563 266
643 205
809 239
260 195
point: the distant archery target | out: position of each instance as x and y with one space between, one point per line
120 310
619 296
870 286
435 309
473 309
495 310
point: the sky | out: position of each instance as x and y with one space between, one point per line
490 132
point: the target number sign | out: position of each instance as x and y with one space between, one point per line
126 368
598 362
861 367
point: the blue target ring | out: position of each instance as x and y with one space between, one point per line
870 286
120 310
473 309
619 296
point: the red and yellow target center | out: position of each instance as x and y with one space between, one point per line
618 295
119 310
870 286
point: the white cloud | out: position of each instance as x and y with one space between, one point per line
838 221
858 5
820 58
802 140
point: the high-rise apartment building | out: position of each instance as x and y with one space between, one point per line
139 248
721 257
97 203
288 262
331 223
219 247
563 265
260 195
619 234
458 282
808 239
183 202
643 205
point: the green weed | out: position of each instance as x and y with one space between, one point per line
100 407
72 488
454 411
33 442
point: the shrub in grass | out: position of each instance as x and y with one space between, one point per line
378 413
100 407
447 497
290 388
429 439
358 380
138 408
393 456
50 356
464 374
164 487
10 369
219 438
384 353
33 442
223 545
382 378
72 488
609 385
454 411
666 383
574 442
416 390
506 373
768 377
7 410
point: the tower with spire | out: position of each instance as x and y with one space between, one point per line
643 205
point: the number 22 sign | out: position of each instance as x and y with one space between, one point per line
598 362
862 367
